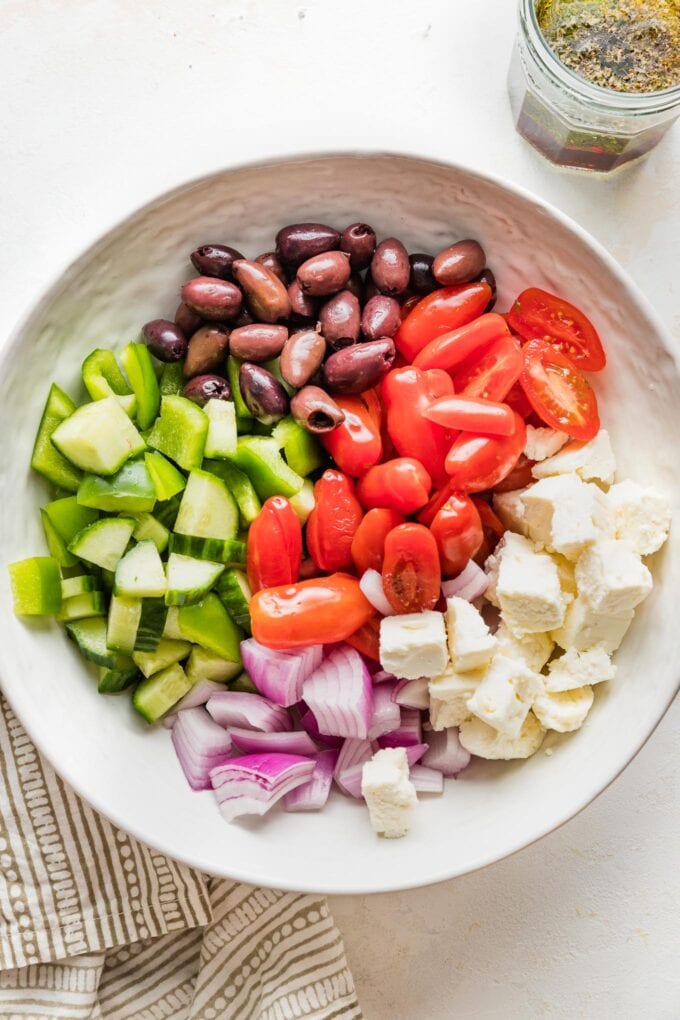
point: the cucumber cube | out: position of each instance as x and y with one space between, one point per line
36 586
239 485
123 623
189 579
79 585
167 653
208 509
205 665
303 502
180 432
221 438
149 527
157 694
79 607
98 437
104 542
111 681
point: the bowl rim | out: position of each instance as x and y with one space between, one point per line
70 268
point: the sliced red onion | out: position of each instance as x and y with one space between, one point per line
445 752
372 586
251 711
252 784
414 752
381 677
426 780
198 695
386 714
253 741
469 584
312 796
350 780
340 694
280 675
200 744
413 693
408 732
309 723
352 753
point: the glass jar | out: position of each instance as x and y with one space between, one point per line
573 122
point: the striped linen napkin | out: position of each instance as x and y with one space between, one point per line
96 926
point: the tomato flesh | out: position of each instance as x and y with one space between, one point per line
321 611
333 521
471 414
560 395
492 374
368 544
401 484
457 530
539 315
355 445
478 462
442 310
411 572
274 552
452 348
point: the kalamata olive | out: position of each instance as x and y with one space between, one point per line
390 267
212 298
355 285
207 350
263 394
422 281
215 260
258 342
165 340
187 319
381 317
340 343
244 318
487 276
340 317
357 368
300 241
267 297
302 306
272 261
370 289
203 388
315 410
459 263
301 357
324 274
358 240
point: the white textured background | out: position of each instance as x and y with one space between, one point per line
105 103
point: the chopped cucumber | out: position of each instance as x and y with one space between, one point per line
167 653
149 527
189 579
157 694
98 437
301 449
103 378
172 379
90 636
303 502
140 572
222 436
111 681
56 546
69 517
239 485
130 488
151 625
104 542
205 665
123 623
137 362
180 432
79 607
261 460
167 480
209 625
166 512
46 458
36 586
242 410
172 630
208 509
234 590
219 550
80 585
243 683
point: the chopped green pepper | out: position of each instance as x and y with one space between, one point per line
261 460
233 366
130 488
172 379
180 432
140 371
240 486
36 586
47 459
103 378
302 450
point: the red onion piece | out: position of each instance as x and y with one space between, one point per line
251 785
253 741
426 780
413 693
200 745
279 675
340 694
381 677
386 714
312 795
414 752
309 723
372 587
352 753
198 695
470 584
445 752
408 732
350 780
251 711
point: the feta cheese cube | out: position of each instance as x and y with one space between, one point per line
583 628
479 738
542 443
534 649
471 646
579 669
593 461
611 577
505 695
642 516
565 711
509 507
413 645
528 587
564 514
565 570
449 695
491 569
388 792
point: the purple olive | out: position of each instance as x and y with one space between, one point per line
301 241
266 295
390 267
272 262
315 410
340 317
302 306
203 388
302 356
257 342
381 317
263 394
360 367
165 340
422 281
324 274
207 351
187 319
215 260
459 263
212 298
358 240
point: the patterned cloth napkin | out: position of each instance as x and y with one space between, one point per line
95 926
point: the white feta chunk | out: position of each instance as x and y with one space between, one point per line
491 570
564 711
534 649
508 506
413 645
528 587
449 695
611 577
583 628
565 570
479 738
642 516
579 669
388 792
471 645
564 514
505 695
593 461
542 443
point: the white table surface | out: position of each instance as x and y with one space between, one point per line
106 103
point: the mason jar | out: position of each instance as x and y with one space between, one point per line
573 122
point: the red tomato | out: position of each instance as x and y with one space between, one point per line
491 374
355 444
439 312
471 414
406 393
493 526
434 504
373 404
476 463
401 484
408 305
517 400
519 477
368 544
320 611
538 315
333 521
457 530
452 348
366 639
411 573
560 395
274 545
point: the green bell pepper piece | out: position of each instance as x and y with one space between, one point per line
240 486
56 546
167 480
69 517
137 362
46 458
130 488
180 432
36 586
103 378
243 683
261 460
208 624
233 366
301 449
172 379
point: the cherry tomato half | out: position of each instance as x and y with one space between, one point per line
368 544
560 395
439 312
471 414
411 573
366 639
401 484
491 523
538 315
491 374
406 393
457 530
519 477
333 521
320 611
452 348
274 545
517 400
355 444
476 463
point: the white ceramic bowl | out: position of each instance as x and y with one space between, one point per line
133 274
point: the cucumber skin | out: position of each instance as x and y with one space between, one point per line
112 681
227 551
157 694
229 588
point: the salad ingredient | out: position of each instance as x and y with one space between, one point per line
472 415
46 458
167 653
252 711
564 711
138 365
221 440
270 260
165 339
207 509
340 694
301 450
483 740
179 432
471 645
583 627
492 375
36 586
412 693
140 573
438 313
208 624
470 584
538 315
445 752
260 458
386 712
332 524
279 676
576 669
543 443
257 342
478 462
265 294
389 794
316 411
304 308
381 317
641 516
528 587
366 639
355 444
104 542
324 274
354 369
359 241
156 694
505 694
302 356
200 745
103 378
212 298
611 578
411 573
186 320
204 665
215 260
426 780
390 267
401 484
98 437
591 461
129 489
203 388
407 393
274 550
368 542
558 393
371 585
253 783
457 530
298 242
321 610
459 263
451 349
189 579
413 645
564 514
264 396
487 276
207 350
340 317
253 741
421 281
312 795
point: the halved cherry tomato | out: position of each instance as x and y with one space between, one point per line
476 463
538 315
452 348
491 523
368 544
366 639
517 400
320 611
471 414
401 484
434 504
355 444
491 374
457 530
406 393
519 477
333 521
439 312
560 395
411 573
274 545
